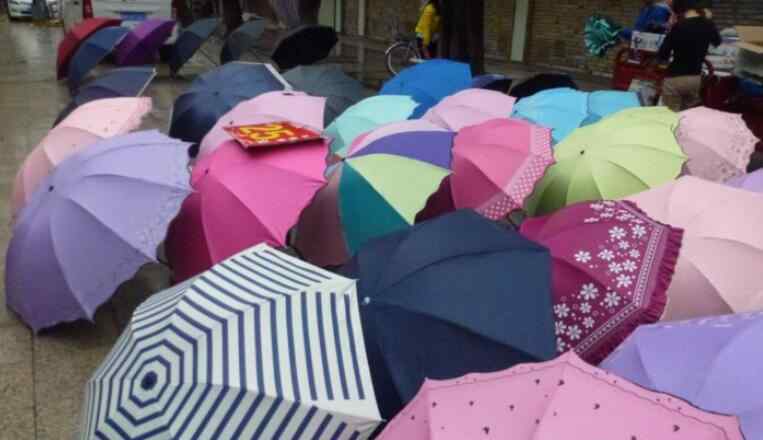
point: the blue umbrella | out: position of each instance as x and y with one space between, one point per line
561 110
450 296
215 93
115 83
92 51
492 81
427 83
606 102
241 40
189 41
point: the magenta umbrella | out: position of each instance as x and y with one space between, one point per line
470 107
141 45
612 268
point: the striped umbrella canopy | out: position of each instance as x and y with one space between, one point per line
261 346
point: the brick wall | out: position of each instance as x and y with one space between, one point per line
499 25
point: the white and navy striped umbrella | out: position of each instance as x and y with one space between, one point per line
261 346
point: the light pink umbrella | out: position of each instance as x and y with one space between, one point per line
564 399
296 107
86 125
718 144
718 270
409 126
470 107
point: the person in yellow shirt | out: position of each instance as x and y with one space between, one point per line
428 28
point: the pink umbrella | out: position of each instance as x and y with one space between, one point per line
470 107
243 198
718 268
395 128
86 125
557 400
718 144
296 107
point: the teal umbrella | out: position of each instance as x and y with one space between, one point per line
601 34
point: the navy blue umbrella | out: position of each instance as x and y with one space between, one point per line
328 80
541 82
92 51
242 39
115 83
215 93
304 46
492 81
189 41
450 296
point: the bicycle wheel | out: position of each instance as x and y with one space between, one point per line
399 56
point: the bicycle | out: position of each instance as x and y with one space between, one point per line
404 52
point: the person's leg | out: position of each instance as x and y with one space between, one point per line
671 94
681 92
693 91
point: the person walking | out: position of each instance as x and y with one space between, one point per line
687 43
428 28
655 16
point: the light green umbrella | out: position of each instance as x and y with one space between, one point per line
365 116
623 154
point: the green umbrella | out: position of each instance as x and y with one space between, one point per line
600 34
624 154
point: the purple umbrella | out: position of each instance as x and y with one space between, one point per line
92 224
714 363
141 45
751 182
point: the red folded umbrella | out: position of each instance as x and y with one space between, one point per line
77 35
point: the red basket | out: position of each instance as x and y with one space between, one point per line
641 67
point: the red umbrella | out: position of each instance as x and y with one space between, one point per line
75 36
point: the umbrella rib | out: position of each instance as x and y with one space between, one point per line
602 146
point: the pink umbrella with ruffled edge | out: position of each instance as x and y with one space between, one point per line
470 107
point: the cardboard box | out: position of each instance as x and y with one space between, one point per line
750 59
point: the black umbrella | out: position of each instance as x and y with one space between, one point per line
189 41
492 81
241 40
304 46
327 80
543 81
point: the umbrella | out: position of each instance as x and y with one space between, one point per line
75 37
541 82
394 129
492 81
304 45
101 216
86 125
562 110
261 346
624 154
712 362
215 93
719 144
242 39
365 116
241 199
429 82
121 82
603 103
751 182
92 51
296 107
718 269
189 41
561 399
141 45
612 268
375 191
601 34
448 297
470 107
328 80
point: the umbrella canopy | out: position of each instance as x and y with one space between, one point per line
429 82
612 268
712 362
85 126
92 51
261 346
561 399
377 190
601 34
719 144
189 41
243 198
296 107
751 182
304 45
328 80
449 296
101 216
394 129
470 107
75 37
365 116
492 81
122 82
562 110
242 39
541 82
624 154
141 45
603 103
717 272
215 93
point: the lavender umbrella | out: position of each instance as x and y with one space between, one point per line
714 363
94 222
141 45
751 182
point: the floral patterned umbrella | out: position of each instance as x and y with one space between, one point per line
612 268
